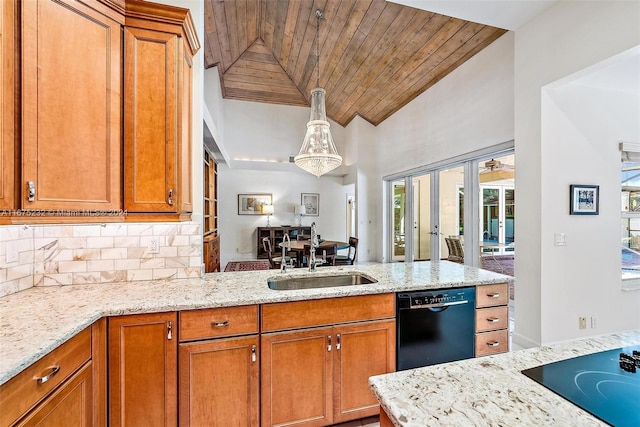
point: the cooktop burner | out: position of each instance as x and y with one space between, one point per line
604 384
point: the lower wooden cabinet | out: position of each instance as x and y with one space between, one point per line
319 376
69 405
492 319
219 382
143 355
61 389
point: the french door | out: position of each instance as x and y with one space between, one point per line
471 199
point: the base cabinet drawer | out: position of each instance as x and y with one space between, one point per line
491 319
492 342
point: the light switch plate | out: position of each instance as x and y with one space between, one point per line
560 239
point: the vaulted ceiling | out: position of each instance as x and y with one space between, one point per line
375 56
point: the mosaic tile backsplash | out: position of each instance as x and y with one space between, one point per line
46 255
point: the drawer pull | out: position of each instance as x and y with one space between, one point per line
493 344
494 295
328 342
254 356
493 319
52 371
220 324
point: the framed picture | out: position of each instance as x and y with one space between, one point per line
311 202
584 199
251 204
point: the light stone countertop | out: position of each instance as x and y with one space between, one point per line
36 321
489 391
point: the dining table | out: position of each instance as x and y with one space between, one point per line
297 246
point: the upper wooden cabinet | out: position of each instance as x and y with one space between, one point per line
8 95
159 47
96 110
71 107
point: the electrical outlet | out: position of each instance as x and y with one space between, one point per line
593 322
154 245
582 322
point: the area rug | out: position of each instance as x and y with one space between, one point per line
246 265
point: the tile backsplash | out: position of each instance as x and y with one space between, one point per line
45 255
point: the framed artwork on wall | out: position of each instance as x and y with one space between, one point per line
584 199
311 202
251 204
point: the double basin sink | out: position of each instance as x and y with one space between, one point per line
288 283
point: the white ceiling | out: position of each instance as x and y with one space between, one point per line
507 14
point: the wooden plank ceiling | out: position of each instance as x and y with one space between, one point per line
375 56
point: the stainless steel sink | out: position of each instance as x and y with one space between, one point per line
309 282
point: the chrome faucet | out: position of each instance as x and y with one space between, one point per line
313 262
286 245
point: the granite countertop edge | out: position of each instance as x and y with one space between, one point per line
489 390
35 321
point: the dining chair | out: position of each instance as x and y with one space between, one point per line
350 257
274 261
456 252
325 252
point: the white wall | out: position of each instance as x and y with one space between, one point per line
470 109
238 238
555 284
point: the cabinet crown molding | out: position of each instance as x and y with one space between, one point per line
177 20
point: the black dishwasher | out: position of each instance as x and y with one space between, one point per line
434 327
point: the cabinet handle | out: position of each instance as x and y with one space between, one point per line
493 344
495 295
169 330
32 191
493 319
52 371
254 356
220 324
338 342
170 199
328 342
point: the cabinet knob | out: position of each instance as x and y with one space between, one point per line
338 342
170 330
328 342
254 356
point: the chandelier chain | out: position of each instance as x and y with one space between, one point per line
319 17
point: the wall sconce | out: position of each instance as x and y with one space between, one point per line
268 211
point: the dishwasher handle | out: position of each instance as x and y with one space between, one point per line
437 305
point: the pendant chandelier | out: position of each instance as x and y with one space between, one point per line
318 154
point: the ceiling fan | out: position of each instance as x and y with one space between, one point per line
495 170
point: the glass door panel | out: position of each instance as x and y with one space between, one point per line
422 232
497 205
451 206
398 220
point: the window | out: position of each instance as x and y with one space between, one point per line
630 207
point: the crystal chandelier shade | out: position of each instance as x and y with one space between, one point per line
318 154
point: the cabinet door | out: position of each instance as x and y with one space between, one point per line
71 107
296 378
70 405
151 120
8 92
143 370
219 382
362 350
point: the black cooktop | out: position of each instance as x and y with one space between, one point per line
605 384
